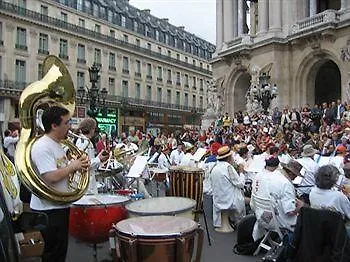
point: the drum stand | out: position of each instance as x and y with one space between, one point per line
201 211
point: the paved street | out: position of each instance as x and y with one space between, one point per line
220 251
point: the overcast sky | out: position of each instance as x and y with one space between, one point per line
198 16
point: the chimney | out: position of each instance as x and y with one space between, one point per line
147 11
165 20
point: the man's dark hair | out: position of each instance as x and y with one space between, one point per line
53 115
7 132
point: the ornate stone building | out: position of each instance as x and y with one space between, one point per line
155 72
304 45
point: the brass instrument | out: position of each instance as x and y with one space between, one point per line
8 170
56 88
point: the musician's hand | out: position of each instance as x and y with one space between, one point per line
103 156
82 163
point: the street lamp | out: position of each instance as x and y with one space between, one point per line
93 95
265 93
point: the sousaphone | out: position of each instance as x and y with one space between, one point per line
55 88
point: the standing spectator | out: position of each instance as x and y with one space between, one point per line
102 144
10 141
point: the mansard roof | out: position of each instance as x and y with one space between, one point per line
144 16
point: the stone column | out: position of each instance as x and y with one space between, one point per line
313 7
228 20
263 13
219 24
240 17
275 15
235 18
253 11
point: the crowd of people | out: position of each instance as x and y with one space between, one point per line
294 157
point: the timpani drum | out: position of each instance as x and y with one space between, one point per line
171 206
92 216
157 238
187 182
158 174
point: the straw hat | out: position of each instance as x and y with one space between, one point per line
308 150
293 166
224 152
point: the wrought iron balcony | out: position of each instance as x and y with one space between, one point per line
29 14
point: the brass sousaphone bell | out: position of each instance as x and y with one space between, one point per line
55 88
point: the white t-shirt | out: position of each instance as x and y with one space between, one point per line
9 144
330 199
88 148
176 157
308 170
48 155
280 190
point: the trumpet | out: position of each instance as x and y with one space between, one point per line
71 135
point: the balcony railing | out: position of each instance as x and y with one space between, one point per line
112 68
129 101
63 56
21 47
26 13
137 74
318 20
12 85
43 52
81 61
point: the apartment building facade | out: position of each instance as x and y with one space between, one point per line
155 73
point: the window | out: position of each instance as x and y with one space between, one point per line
201 85
178 56
169 53
81 54
177 99
80 79
186 59
159 94
40 71
110 16
138 42
149 46
43 44
44 10
112 33
96 10
136 26
147 31
137 91
63 49
97 56
20 73
186 100
200 64
157 35
80 5
149 71
123 21
149 93
97 28
125 38
81 22
111 86
22 3
168 96
178 78
125 65
21 41
167 39
194 101
160 73
64 17
201 102
112 61
125 88
138 68
194 62
175 42
159 50
194 82
186 80
169 76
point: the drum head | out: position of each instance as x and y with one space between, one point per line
100 200
161 206
157 170
156 226
189 169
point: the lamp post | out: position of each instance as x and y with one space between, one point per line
93 95
265 93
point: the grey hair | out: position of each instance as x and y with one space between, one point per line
326 176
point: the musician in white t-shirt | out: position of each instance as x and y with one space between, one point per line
51 162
